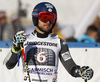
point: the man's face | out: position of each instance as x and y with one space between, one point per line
2 20
94 35
45 26
15 23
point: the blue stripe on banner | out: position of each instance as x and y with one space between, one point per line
8 44
83 45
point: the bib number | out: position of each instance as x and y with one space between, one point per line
41 58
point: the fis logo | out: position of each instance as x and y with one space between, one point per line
64 42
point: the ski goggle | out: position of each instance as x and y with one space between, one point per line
47 16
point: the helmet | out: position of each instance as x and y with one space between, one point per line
45 7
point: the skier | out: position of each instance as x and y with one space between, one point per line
43 49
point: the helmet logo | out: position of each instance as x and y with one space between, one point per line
35 14
50 10
49 5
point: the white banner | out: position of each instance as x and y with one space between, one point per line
82 56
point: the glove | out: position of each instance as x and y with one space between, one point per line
18 39
86 72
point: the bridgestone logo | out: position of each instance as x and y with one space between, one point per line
41 43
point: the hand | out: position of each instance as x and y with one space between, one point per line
19 38
86 72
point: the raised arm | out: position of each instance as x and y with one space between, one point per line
11 59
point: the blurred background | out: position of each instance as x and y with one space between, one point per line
74 18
